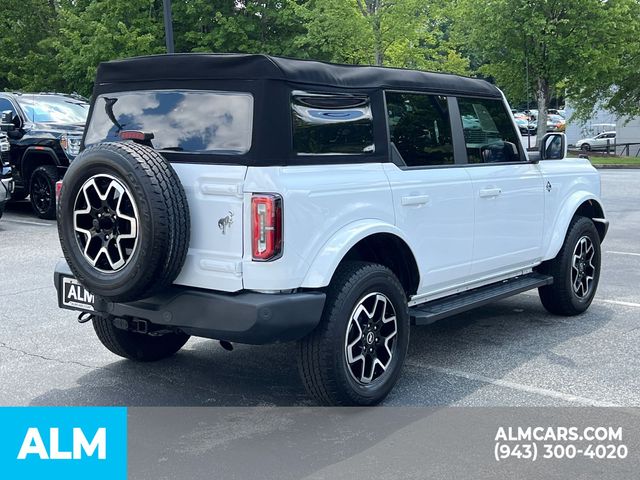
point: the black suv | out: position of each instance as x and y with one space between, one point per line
45 131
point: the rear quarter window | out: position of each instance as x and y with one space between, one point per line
180 120
332 124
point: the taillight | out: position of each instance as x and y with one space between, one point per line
58 190
266 226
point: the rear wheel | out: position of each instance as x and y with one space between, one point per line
575 271
43 191
137 346
355 355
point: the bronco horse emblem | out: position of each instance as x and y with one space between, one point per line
225 222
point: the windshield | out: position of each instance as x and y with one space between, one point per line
54 109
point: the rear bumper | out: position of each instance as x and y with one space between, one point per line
245 317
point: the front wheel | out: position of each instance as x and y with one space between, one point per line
355 355
575 270
43 191
585 147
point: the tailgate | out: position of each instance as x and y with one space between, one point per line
215 196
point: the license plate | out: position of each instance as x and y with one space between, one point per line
74 296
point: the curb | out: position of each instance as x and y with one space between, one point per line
613 166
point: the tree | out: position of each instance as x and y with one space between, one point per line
615 88
24 62
245 26
99 30
399 33
563 44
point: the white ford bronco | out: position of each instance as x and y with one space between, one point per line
254 199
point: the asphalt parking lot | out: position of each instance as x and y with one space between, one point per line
511 353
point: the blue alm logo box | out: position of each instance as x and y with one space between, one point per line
39 443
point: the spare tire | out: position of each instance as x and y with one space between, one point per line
123 221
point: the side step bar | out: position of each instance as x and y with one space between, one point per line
435 310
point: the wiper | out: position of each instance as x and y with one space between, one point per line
108 108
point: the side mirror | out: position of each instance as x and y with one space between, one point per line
553 146
6 121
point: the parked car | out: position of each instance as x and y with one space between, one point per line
599 142
6 178
556 111
555 123
257 199
526 126
44 130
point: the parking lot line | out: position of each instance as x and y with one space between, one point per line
518 386
623 253
618 302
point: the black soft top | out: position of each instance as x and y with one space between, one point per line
198 67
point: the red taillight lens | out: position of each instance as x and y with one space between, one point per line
266 226
58 190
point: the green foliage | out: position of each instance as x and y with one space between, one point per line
571 45
24 62
100 30
588 49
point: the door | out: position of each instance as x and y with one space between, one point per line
508 190
433 199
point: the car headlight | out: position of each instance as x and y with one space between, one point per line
70 145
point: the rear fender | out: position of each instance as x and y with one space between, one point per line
326 262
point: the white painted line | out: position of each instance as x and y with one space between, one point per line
27 222
618 302
544 392
623 253
596 300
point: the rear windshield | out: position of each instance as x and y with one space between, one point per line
180 120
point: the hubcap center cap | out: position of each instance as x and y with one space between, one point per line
106 223
370 338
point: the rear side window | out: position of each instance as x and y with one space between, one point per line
180 120
420 129
326 124
489 132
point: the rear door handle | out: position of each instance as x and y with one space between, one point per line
415 200
490 192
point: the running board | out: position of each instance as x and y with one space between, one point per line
435 310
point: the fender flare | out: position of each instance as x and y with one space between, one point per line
561 224
334 250
37 151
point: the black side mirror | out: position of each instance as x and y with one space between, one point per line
6 121
553 146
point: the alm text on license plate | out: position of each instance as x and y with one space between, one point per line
75 296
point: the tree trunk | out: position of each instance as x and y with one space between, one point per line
377 38
542 96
